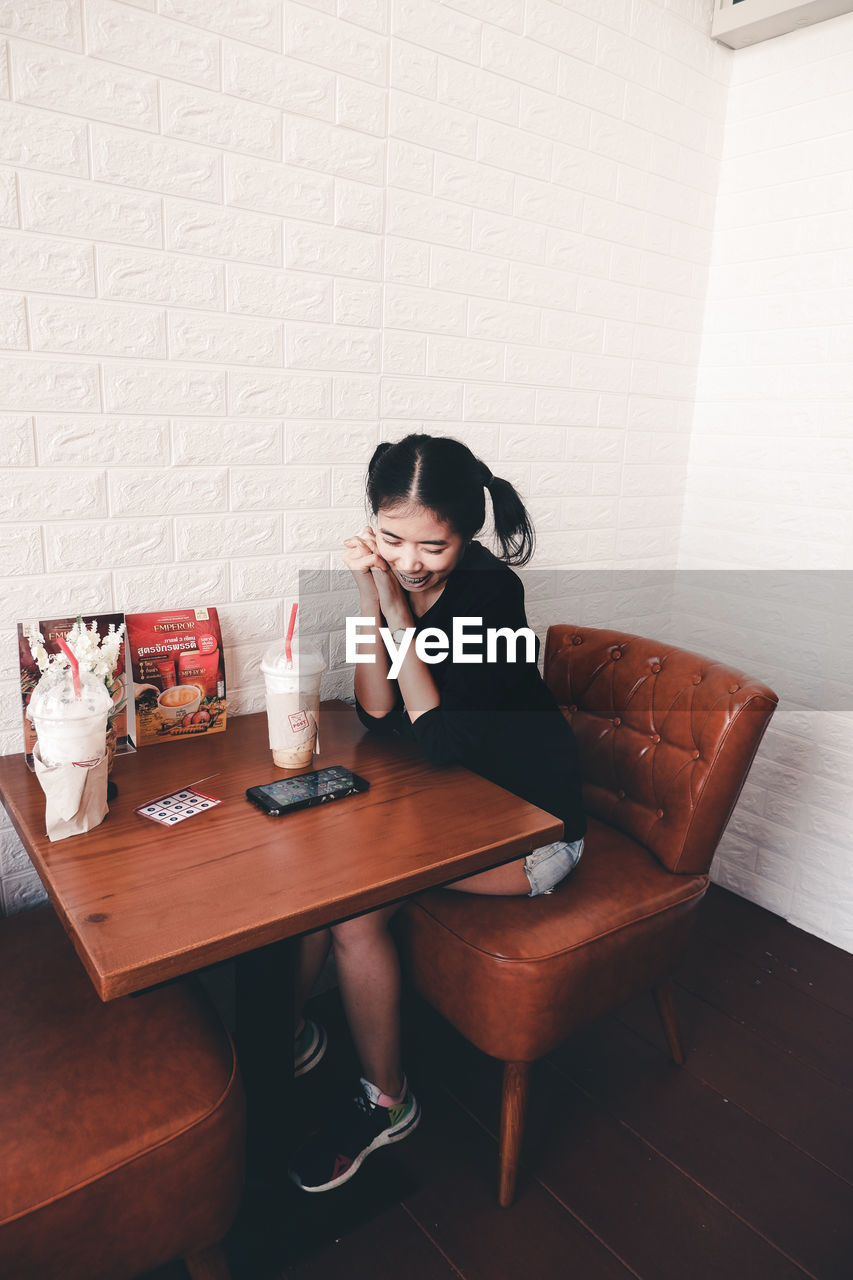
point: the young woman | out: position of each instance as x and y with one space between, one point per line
418 565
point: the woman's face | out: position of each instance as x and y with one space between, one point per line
420 549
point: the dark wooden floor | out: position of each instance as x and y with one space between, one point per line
738 1165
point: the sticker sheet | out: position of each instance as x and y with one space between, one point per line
176 807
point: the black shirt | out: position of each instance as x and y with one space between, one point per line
498 719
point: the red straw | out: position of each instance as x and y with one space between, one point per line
75 666
289 635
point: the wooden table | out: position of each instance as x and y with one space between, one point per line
144 903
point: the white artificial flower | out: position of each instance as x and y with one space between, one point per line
35 640
92 653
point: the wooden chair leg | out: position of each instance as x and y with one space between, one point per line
208 1264
664 994
516 1083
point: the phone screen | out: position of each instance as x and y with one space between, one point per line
307 789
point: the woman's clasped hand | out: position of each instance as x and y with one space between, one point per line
377 586
361 556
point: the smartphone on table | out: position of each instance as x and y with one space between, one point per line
286 795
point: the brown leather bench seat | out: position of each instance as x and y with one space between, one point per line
121 1124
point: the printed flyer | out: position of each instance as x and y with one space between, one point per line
50 629
178 674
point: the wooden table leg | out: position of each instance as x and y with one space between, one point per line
264 1018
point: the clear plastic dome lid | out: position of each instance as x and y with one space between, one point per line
305 659
55 699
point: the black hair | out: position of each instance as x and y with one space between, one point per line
444 476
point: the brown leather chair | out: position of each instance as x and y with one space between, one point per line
666 739
121 1125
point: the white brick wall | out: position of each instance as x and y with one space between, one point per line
771 464
242 242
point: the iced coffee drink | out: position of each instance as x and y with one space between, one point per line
70 730
293 702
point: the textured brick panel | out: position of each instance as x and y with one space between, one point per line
143 590
13 322
277 488
86 209
314 37
54 22
276 189
161 277
199 116
214 233
48 384
332 251
96 328
314 145
66 439
224 339
280 82
211 441
359 206
163 389
264 394
83 87
107 545
17 448
174 168
216 537
135 39
360 106
167 491
258 22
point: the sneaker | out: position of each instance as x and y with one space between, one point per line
360 1125
309 1047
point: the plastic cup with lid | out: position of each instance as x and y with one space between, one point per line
70 730
293 701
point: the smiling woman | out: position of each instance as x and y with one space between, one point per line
421 574
419 549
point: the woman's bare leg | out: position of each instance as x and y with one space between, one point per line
369 976
369 980
507 881
313 949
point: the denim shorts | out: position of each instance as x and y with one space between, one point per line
547 866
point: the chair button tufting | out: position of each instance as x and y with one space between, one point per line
695 755
616 722
576 639
733 688
660 813
621 795
656 667
697 679
616 655
655 738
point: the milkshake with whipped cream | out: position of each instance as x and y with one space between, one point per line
70 729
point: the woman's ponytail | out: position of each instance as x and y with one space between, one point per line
513 526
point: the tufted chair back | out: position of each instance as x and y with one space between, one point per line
651 721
